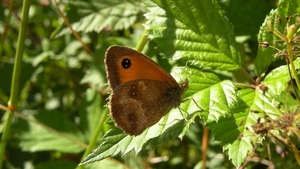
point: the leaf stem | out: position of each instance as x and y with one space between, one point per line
243 85
205 138
142 42
295 150
247 76
85 47
288 39
291 60
13 101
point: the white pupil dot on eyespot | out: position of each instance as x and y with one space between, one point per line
126 63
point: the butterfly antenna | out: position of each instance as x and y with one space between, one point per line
182 115
198 105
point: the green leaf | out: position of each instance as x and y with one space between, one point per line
95 75
256 105
215 97
94 15
276 81
92 108
236 132
267 55
35 137
288 8
289 104
238 151
194 31
115 142
202 85
239 144
243 18
56 164
231 130
106 163
228 129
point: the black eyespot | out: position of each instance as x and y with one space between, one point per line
126 63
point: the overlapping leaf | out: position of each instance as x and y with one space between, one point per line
33 137
195 31
96 15
231 130
187 30
235 132
276 81
276 21
203 85
265 54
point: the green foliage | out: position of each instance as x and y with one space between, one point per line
191 31
242 67
32 137
93 15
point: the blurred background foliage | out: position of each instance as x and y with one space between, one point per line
63 85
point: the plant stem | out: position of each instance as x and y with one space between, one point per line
142 42
247 76
291 60
205 138
85 47
95 136
13 101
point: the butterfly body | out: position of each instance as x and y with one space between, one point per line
142 91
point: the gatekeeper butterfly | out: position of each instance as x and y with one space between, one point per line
142 91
